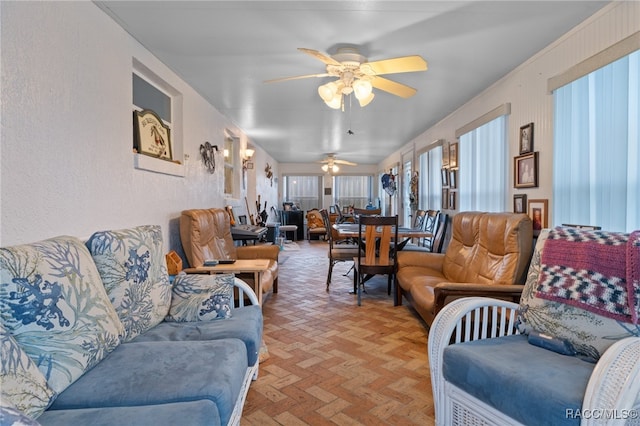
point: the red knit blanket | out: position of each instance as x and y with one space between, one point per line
594 270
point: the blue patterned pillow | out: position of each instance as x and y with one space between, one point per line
133 268
10 415
201 297
21 383
53 303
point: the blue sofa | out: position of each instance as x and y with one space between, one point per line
95 333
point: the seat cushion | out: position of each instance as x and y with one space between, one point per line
193 413
527 383
245 324
410 276
149 373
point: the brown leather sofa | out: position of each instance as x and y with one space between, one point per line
206 234
488 255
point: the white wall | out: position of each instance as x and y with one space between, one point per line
66 153
526 89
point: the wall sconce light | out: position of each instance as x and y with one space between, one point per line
248 153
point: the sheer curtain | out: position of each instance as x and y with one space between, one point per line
482 175
597 148
353 191
303 190
430 180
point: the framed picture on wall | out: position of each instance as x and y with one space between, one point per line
520 203
452 200
445 154
453 178
150 135
445 198
445 176
526 139
538 211
525 170
453 155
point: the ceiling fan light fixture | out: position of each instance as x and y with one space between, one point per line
325 168
366 101
335 102
362 89
328 91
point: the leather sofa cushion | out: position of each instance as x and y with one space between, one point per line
147 373
410 277
527 383
192 413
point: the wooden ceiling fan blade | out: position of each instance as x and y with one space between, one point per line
396 65
320 56
393 87
276 80
345 162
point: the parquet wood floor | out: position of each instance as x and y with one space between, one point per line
332 362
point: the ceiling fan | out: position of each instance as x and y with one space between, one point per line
356 75
330 164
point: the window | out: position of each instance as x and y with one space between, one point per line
353 190
482 159
596 178
430 186
229 155
303 191
151 92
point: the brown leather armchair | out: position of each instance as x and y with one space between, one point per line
206 234
488 255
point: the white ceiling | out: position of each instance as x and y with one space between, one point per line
227 49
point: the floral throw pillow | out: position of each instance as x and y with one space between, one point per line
53 303
21 383
201 297
589 333
10 415
133 268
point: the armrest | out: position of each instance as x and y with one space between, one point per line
446 289
258 252
614 385
417 258
449 326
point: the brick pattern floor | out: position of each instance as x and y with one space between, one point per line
332 362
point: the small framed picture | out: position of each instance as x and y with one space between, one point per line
525 170
452 200
520 203
453 178
445 155
538 211
151 136
445 198
445 177
453 155
526 139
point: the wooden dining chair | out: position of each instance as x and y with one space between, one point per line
430 225
377 235
344 253
368 212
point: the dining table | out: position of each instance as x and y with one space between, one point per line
405 234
